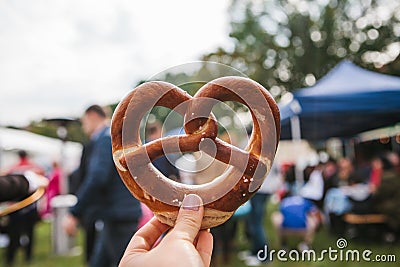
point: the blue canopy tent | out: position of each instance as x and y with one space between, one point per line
347 101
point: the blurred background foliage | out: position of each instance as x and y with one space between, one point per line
288 44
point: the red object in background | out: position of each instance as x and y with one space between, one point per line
25 165
53 189
147 214
285 166
376 175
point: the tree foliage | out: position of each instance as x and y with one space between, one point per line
288 44
43 127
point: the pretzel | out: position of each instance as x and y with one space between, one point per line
222 196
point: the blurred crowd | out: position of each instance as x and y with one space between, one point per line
17 183
298 207
104 209
352 200
322 197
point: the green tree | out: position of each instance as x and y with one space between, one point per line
288 44
46 128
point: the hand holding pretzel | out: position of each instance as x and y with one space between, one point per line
226 193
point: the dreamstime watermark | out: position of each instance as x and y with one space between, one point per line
339 253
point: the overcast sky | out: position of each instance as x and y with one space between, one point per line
58 56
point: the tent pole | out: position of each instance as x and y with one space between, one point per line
295 128
296 138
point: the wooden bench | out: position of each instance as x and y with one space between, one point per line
352 218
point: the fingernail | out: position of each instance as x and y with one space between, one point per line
191 202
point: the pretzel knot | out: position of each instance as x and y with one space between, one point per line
248 167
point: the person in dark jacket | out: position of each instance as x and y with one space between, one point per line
88 223
103 195
163 164
21 223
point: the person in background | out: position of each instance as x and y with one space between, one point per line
163 164
329 174
386 199
352 195
289 177
25 164
359 193
103 195
376 172
255 221
313 190
88 223
345 172
296 216
15 187
53 189
224 234
394 160
20 229
75 179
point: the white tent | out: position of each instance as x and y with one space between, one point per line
43 150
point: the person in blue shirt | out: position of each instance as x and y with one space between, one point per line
298 216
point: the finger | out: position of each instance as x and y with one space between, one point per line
146 236
189 218
160 239
70 225
205 246
71 230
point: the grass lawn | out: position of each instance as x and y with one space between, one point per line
43 254
42 251
324 240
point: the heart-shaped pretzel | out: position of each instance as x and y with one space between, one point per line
223 195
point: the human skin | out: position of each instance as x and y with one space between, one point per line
184 245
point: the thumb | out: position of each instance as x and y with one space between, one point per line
189 218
